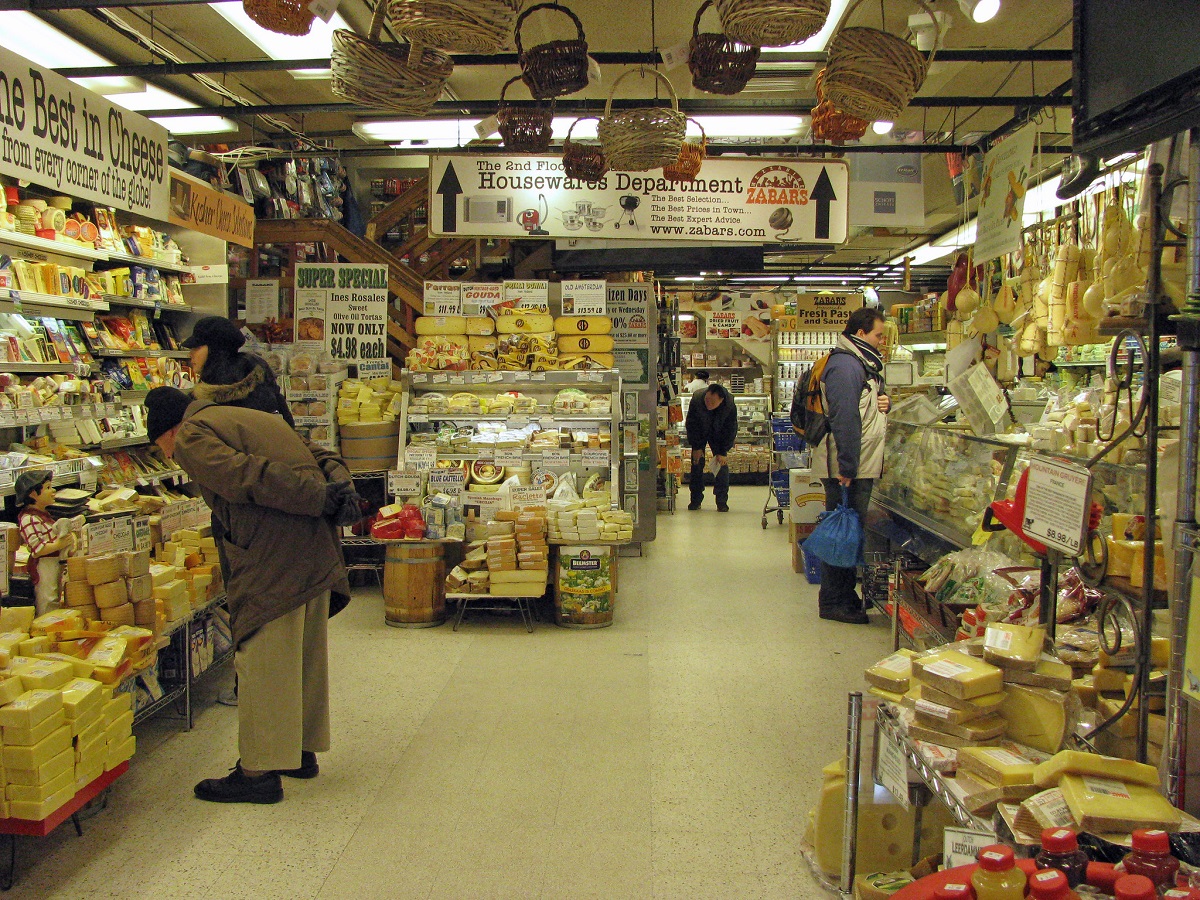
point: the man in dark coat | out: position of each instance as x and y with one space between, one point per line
275 506
712 422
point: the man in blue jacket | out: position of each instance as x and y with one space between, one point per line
712 422
851 454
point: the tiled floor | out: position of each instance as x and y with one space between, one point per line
673 755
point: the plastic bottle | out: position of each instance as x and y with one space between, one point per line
1060 850
1050 884
1151 857
954 890
1135 887
997 877
1103 876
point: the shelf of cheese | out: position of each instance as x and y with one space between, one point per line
144 354
512 561
56 304
161 305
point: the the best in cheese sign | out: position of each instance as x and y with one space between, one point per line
732 201
354 325
61 136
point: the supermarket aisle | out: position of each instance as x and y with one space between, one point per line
674 755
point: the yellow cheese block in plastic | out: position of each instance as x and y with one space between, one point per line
17 618
601 360
55 622
480 325
40 753
583 324
958 674
1105 679
1120 557
30 708
46 675
91 727
81 696
889 696
120 727
479 343
996 764
119 752
1120 524
523 323
120 703
161 575
891 673
1104 805
10 642
35 812
10 690
27 737
34 645
61 762
1013 646
441 325
1049 673
1076 762
25 793
570 344
984 701
1035 716
1136 575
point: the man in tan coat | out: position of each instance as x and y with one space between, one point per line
276 507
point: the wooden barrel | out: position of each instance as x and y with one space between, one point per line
414 585
370 447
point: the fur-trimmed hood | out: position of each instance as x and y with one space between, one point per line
223 394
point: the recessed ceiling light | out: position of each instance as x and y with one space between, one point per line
882 126
979 11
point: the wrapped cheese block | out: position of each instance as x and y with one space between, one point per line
523 323
480 325
440 325
1103 805
1013 646
583 325
114 593
892 673
573 345
958 674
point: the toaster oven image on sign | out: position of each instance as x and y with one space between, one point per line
487 210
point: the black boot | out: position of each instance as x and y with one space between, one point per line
238 787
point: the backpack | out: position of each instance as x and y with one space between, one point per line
808 408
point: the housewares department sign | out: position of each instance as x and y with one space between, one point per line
61 136
354 300
755 201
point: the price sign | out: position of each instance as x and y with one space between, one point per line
892 769
1058 504
961 846
585 298
99 537
419 458
404 484
447 481
7 478
553 458
141 533
457 379
598 459
521 496
172 518
8 418
443 298
122 534
88 480
509 456
51 413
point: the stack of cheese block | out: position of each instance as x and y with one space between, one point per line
106 588
191 558
526 340
377 400
584 342
533 553
1108 685
616 526
522 530
471 576
441 345
501 547
1127 551
562 520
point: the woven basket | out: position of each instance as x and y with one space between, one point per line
637 140
555 68
772 23
829 124
378 75
583 162
525 129
719 65
872 74
691 156
456 26
290 17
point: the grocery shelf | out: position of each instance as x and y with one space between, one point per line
723 368
164 306
31 368
528 417
144 354
922 337
168 697
483 378
149 261
122 443
959 539
33 242
534 456
51 305
1078 363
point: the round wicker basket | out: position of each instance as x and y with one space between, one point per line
456 26
637 140
772 23
525 129
290 17
583 162
555 68
719 65
691 156
830 124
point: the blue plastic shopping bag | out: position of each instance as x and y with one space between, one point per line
838 538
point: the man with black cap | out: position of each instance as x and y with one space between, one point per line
278 513
227 376
35 493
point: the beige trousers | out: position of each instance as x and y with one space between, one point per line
283 689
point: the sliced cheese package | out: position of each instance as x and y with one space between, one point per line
1013 646
958 674
892 673
1039 717
1105 805
1076 762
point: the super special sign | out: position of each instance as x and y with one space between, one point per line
752 201
59 135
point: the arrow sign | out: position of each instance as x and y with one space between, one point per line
449 189
823 194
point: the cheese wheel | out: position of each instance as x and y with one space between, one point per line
480 325
526 323
597 360
114 593
569 344
438 341
479 343
441 325
583 324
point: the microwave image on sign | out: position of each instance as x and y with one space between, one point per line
487 209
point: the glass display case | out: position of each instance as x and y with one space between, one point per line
754 417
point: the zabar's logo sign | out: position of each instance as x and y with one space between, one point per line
777 185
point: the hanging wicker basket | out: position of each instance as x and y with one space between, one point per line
772 23
719 65
456 26
555 68
398 77
637 140
830 124
691 156
290 17
872 74
583 162
525 129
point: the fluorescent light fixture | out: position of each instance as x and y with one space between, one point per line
418 132
818 41
882 127
281 46
688 278
687 317
28 36
979 11
748 126
827 279
959 237
198 124
759 279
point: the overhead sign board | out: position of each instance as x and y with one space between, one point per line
745 200
200 207
59 135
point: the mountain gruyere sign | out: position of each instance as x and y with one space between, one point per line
755 201
58 135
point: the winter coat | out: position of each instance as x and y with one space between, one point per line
717 428
242 379
268 492
854 445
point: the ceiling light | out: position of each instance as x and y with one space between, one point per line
882 127
28 36
418 132
979 11
198 124
749 126
688 278
818 41
281 46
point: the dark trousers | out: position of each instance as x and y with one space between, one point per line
696 479
837 584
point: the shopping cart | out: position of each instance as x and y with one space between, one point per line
785 447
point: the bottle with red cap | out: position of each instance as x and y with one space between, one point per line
954 890
1182 893
1060 850
1151 858
998 877
1135 887
1050 884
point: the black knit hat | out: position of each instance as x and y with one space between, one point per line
165 407
28 482
215 332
